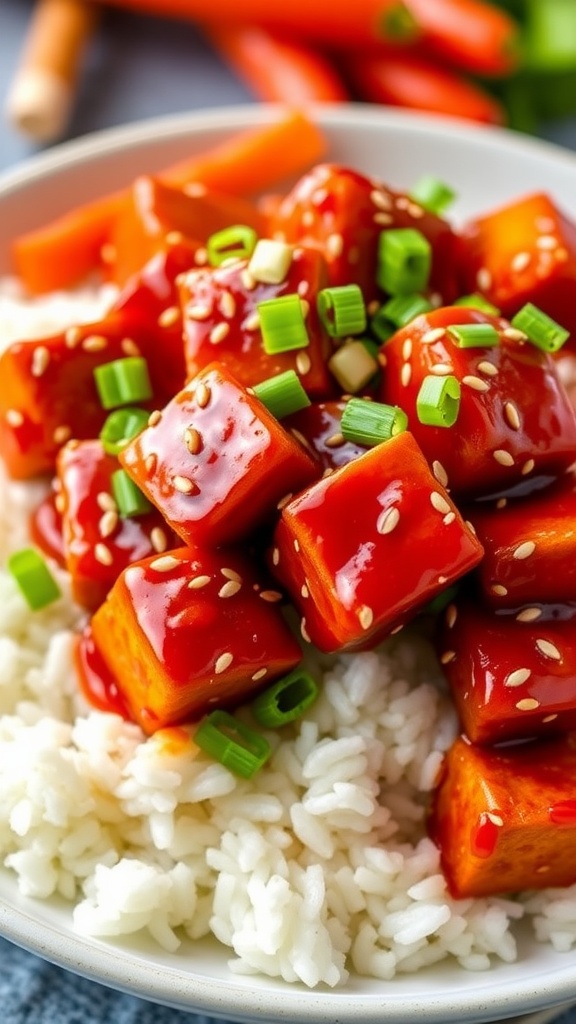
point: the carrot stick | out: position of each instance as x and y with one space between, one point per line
475 36
276 69
404 80
40 98
69 248
327 21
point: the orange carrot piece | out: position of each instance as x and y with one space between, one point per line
69 248
277 69
478 37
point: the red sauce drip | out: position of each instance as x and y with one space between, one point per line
563 813
46 530
484 836
96 681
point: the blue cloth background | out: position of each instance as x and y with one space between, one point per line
138 67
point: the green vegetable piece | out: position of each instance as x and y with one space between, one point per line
432 194
403 308
475 301
240 749
236 242
550 35
123 382
404 261
371 423
438 401
282 324
286 700
441 601
121 426
540 328
128 496
342 310
474 335
282 394
399 24
381 326
33 578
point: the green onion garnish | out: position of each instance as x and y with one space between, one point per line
438 401
342 310
282 394
120 427
381 326
282 324
403 308
371 423
123 382
33 578
476 301
539 328
432 194
404 261
474 335
237 241
286 700
240 749
128 497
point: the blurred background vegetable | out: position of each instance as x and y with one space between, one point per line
509 62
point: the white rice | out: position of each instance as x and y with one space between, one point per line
318 866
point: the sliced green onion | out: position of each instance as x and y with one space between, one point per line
282 324
371 423
403 308
33 578
128 496
121 426
432 194
286 700
474 335
236 242
550 35
123 381
380 326
282 394
342 310
270 261
438 401
539 328
404 261
353 366
240 749
476 301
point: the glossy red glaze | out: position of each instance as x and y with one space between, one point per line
96 682
515 421
484 837
362 550
318 427
46 529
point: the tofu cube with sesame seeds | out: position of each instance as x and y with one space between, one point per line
530 546
215 461
512 673
505 818
191 630
363 549
523 252
515 425
98 543
221 320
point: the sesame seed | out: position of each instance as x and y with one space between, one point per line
195 189
442 580
514 334
223 662
304 592
406 374
219 333
230 588
517 677
528 704
72 337
197 582
501 503
60 503
62 434
449 518
487 368
108 523
407 349
183 484
327 472
529 615
165 563
201 256
95 343
512 415
304 631
499 590
129 347
447 657
415 210
440 473
495 818
231 574
484 279
202 395
439 503
197 311
383 218
150 463
14 418
227 304
193 440
248 280
524 550
546 242
103 554
320 194
308 218
442 369
503 457
381 199
275 556
40 360
154 418
549 718
334 441
476 383
303 363
520 261
548 649
451 615
296 545
434 335
303 288
388 520
106 502
270 596
174 237
527 467
259 674
168 317
158 539
283 502
334 245
365 616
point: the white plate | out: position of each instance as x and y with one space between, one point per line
487 167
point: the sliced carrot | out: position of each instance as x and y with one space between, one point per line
277 69
63 252
475 36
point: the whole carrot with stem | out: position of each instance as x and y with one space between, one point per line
475 36
277 69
